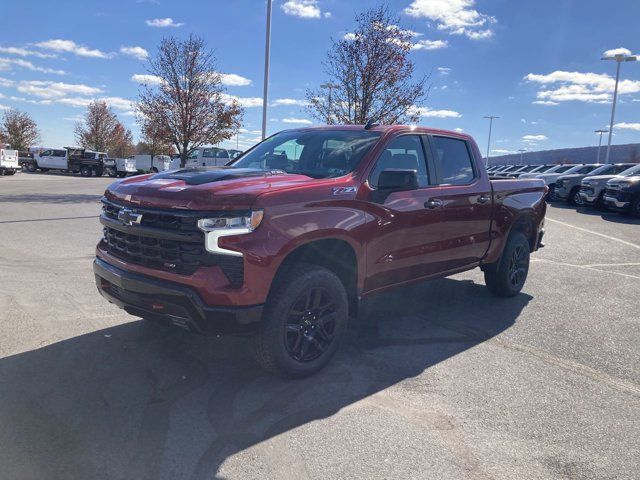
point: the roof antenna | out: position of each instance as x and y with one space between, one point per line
370 124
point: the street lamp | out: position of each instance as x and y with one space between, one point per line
522 150
267 52
490 117
600 142
330 86
619 58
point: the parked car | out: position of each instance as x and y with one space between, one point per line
593 186
531 169
120 167
289 240
558 168
623 195
153 163
68 159
568 185
550 178
9 163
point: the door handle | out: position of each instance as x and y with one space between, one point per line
483 198
433 203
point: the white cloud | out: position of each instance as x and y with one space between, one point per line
429 45
561 86
545 102
231 79
137 52
458 129
502 151
23 52
69 46
628 126
51 90
5 82
302 8
146 79
534 138
4 107
246 102
7 64
616 51
443 70
301 121
350 36
457 17
427 112
163 23
289 102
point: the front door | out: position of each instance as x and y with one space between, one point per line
404 237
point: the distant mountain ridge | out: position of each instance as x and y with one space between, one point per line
619 154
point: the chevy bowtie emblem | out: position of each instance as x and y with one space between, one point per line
129 217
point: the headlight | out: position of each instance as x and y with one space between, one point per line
214 228
624 185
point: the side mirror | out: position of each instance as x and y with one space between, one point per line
394 180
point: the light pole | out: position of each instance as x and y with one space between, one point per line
619 58
490 117
330 86
600 142
267 52
522 150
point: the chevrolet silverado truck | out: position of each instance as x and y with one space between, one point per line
623 195
592 187
287 242
568 186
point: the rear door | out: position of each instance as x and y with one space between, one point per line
463 191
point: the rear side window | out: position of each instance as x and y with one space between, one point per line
404 152
453 162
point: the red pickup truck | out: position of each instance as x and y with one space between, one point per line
286 243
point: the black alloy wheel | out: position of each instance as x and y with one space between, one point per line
311 325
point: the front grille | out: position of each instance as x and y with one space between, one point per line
586 189
176 256
612 191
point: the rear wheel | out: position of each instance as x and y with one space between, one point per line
98 171
85 171
154 170
304 321
9 172
507 277
31 167
122 174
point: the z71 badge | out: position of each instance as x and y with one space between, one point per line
344 190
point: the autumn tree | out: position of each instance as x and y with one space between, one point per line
19 130
370 75
121 145
154 138
188 98
96 130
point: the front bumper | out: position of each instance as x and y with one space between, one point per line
616 204
168 301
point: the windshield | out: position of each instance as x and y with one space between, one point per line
603 170
317 153
630 172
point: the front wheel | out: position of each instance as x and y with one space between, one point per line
85 171
635 207
507 277
574 197
304 321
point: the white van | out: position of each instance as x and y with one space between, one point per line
120 167
9 163
208 157
152 163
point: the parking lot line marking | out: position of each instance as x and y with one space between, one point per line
613 265
586 267
48 219
634 245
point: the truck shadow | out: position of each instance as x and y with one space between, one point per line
147 401
51 198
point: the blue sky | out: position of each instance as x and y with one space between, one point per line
536 64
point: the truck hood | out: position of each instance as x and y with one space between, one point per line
572 178
597 179
219 188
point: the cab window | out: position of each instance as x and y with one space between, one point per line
453 161
404 152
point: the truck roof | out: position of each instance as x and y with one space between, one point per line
386 128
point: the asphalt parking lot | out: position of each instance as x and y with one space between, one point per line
440 381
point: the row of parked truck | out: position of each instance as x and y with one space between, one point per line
91 163
604 186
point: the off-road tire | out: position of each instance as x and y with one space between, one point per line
499 277
269 344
